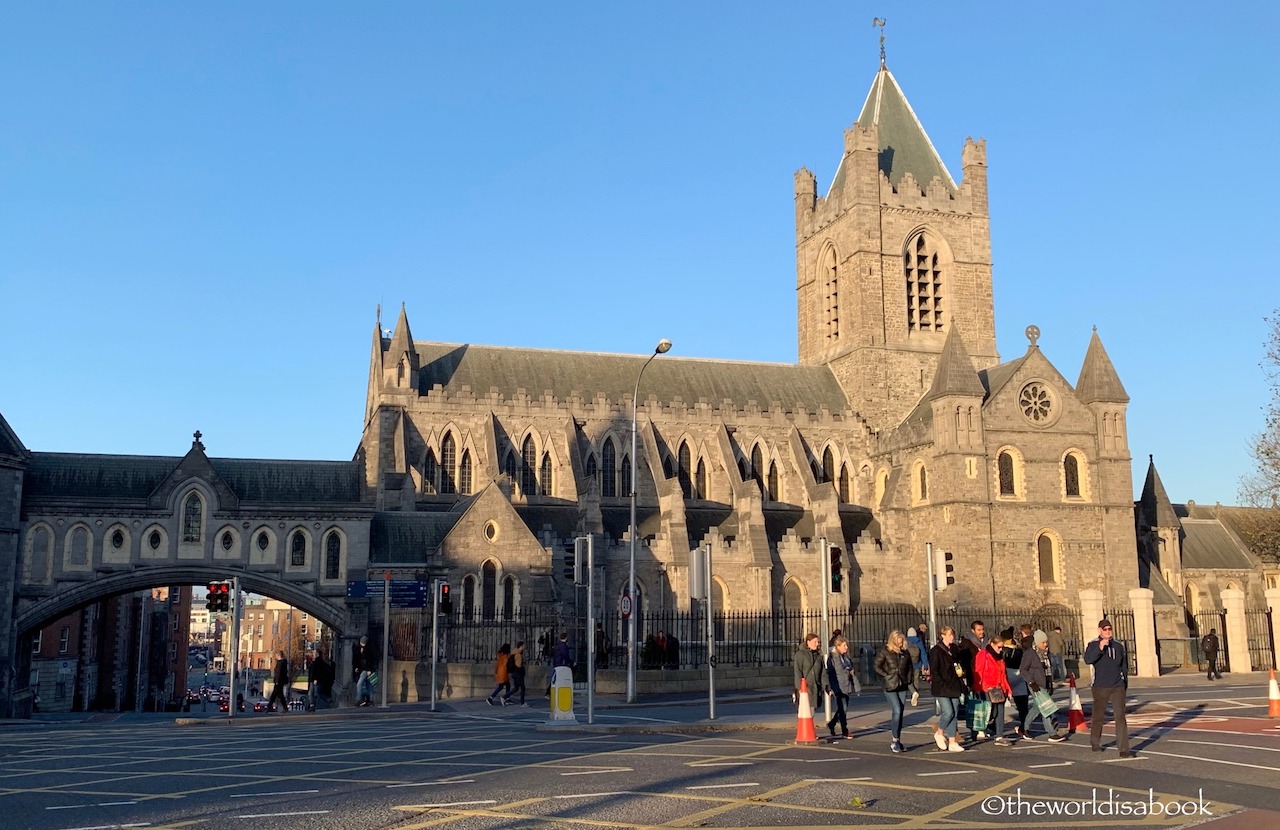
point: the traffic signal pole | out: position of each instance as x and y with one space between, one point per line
825 557
386 631
435 637
234 669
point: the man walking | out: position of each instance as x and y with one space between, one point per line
1209 645
320 677
363 664
1057 653
1110 683
280 677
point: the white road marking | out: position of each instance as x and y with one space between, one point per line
279 815
431 783
591 795
1209 760
1130 758
949 772
86 806
451 804
1215 743
724 764
721 786
1042 766
636 717
837 780
598 771
263 795
113 826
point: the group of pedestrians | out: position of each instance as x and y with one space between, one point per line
975 678
509 673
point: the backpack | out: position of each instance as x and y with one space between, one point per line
1207 645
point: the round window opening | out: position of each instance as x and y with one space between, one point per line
117 539
227 540
1036 402
154 541
263 541
491 531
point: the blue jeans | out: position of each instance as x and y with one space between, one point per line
948 715
1058 666
897 702
364 689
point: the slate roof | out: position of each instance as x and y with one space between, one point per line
1257 527
904 146
589 374
1207 545
408 537
1157 510
955 374
994 379
10 445
53 475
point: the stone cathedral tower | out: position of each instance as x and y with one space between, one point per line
892 258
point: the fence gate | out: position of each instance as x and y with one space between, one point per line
1123 629
1204 621
1261 647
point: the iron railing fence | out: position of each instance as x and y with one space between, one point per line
1200 625
677 639
1261 648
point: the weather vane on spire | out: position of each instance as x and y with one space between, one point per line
880 21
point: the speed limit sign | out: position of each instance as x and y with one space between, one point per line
624 605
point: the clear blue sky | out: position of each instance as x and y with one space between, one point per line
203 203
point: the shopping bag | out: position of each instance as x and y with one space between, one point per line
977 711
1044 703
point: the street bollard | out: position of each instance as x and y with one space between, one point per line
562 695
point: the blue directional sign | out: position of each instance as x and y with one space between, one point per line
405 593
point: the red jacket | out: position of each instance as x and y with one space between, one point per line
988 671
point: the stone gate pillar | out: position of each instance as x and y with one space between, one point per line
1144 631
1273 602
1090 612
1237 633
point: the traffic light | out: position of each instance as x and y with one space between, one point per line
580 560
446 602
219 597
943 570
837 575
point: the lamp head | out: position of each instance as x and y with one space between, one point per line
664 346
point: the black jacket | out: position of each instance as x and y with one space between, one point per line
1110 665
808 664
894 668
944 681
363 659
281 674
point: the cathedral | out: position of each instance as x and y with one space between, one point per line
899 426
899 429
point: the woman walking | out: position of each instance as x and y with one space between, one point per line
948 683
990 680
501 674
1012 655
840 682
893 664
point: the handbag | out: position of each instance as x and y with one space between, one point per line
977 713
1044 703
995 694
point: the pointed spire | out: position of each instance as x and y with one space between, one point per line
1098 379
955 375
402 340
1156 507
903 144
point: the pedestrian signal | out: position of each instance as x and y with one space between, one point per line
837 571
446 602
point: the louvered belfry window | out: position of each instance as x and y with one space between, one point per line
923 271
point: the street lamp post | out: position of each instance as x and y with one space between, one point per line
664 346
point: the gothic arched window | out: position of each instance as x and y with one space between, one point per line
626 473
1005 466
508 597
771 490
1047 556
448 462
757 467
469 597
332 555
683 470
488 590
828 465
608 470
545 485
429 472
464 473
922 268
528 467
831 293
700 481
1071 475
298 550
843 491
192 519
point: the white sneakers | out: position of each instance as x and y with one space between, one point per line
940 739
915 698
955 746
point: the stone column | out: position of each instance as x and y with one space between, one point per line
1144 631
1237 633
1273 602
1090 612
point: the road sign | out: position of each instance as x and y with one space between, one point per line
405 593
624 605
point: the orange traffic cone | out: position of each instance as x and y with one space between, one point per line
1273 693
804 717
1075 712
